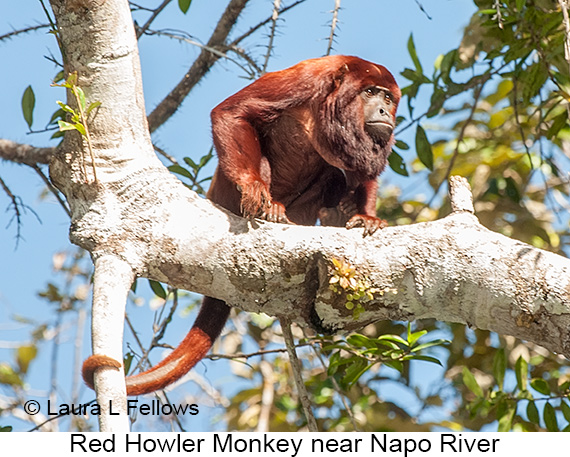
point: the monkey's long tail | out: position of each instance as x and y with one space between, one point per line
208 326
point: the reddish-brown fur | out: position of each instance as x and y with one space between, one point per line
292 147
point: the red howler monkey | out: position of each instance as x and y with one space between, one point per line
297 145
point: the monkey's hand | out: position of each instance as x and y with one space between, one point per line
340 214
370 223
256 202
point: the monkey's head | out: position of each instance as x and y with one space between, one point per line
358 117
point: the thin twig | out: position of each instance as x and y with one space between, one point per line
498 16
211 52
158 335
566 22
52 189
242 355
476 97
18 206
422 9
168 106
185 37
14 33
343 397
267 396
165 154
518 122
297 375
334 24
274 17
152 17
253 29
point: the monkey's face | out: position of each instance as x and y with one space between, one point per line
379 108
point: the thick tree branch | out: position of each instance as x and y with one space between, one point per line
111 283
24 153
199 68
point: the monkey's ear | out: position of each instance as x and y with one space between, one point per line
338 76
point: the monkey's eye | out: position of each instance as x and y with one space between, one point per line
371 91
388 97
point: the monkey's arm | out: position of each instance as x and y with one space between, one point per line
360 207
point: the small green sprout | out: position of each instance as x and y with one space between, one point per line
78 120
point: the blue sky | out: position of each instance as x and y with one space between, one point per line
376 30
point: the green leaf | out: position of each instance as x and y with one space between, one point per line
127 361
415 336
81 96
520 5
397 163
395 364
157 288
506 413
534 77
423 148
447 65
28 104
565 410
360 341
402 145
540 385
191 163
64 126
429 344
184 5
511 190
60 75
58 114
181 171
414 54
499 367
205 159
9 377
6 428
521 371
65 107
25 355
532 413
355 371
425 358
334 363
557 123
417 78
79 127
550 418
91 107
388 344
394 338
471 383
436 102
71 80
